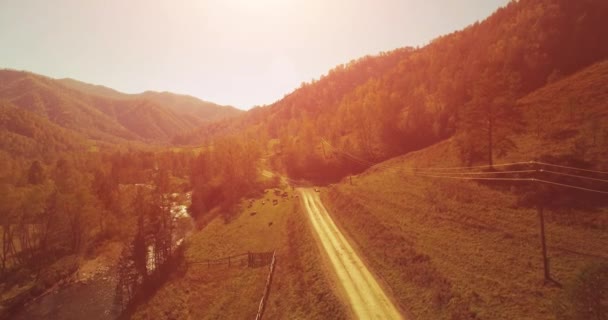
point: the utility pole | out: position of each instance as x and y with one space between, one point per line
323 147
541 216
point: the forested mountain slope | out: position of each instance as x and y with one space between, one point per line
405 100
471 249
95 112
196 110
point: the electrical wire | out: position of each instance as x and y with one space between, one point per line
476 172
571 186
515 179
348 154
430 172
477 167
572 175
568 167
475 178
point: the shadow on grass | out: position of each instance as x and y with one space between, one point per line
176 267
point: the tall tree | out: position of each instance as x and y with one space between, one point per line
491 117
35 173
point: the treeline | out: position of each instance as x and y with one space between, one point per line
224 173
53 213
24 134
466 83
152 245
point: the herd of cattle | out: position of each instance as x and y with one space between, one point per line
277 192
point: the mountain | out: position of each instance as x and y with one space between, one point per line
93 89
197 111
408 99
28 135
471 249
103 114
192 107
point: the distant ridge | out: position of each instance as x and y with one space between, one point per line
104 114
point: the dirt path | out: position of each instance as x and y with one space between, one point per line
366 297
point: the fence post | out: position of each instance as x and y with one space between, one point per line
262 305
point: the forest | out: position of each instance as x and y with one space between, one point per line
84 165
465 84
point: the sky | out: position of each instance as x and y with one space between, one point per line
234 52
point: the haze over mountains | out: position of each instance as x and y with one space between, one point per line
99 113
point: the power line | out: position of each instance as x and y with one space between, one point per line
367 162
476 172
424 172
568 167
475 178
532 162
478 167
512 179
359 160
570 186
572 175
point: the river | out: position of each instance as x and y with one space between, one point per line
93 299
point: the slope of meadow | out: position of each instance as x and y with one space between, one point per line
300 288
451 248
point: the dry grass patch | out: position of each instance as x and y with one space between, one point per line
453 249
300 288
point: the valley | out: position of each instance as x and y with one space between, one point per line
465 177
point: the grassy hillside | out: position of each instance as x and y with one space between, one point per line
300 288
450 248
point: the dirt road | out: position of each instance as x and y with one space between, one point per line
366 297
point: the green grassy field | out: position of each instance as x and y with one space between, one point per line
453 249
457 248
300 288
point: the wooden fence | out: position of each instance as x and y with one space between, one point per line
249 259
262 305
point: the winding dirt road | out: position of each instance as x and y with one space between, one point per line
366 297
